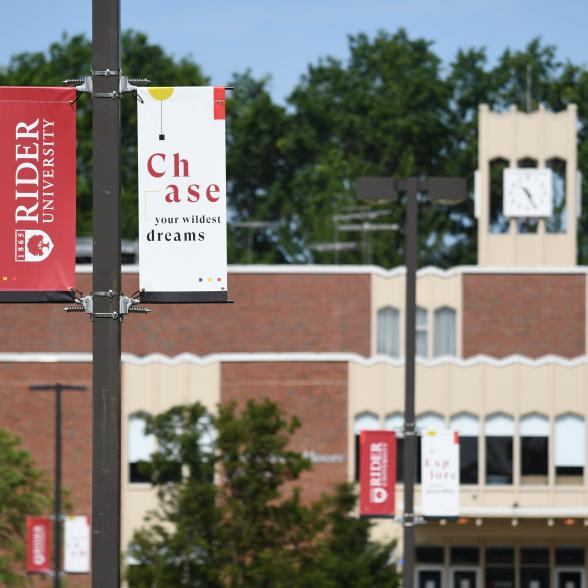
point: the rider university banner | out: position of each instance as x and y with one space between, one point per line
37 194
182 194
377 473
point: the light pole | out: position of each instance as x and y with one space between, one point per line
450 190
58 388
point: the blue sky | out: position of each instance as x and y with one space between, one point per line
281 37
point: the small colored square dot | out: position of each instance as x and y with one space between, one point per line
5 278
200 279
219 279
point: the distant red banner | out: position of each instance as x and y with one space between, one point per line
39 545
37 192
377 473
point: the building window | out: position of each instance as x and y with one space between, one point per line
499 430
569 556
428 421
534 567
366 421
534 433
395 422
499 567
429 554
140 448
570 441
422 332
465 556
558 221
445 332
468 427
388 330
497 223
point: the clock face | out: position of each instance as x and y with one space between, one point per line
528 193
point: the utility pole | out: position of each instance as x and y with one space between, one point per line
106 294
58 388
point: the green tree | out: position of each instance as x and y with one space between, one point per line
390 108
71 57
249 526
23 492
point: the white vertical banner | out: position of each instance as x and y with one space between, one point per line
440 473
76 551
182 194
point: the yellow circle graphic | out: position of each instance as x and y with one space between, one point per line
161 93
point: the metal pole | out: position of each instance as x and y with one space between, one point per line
106 279
409 382
57 488
58 388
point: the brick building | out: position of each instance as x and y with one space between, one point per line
501 358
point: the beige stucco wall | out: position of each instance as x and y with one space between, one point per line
434 290
154 388
515 135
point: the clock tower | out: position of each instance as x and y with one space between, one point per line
527 188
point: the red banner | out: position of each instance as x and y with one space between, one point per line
39 545
377 473
37 191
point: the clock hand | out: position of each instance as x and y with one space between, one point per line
530 197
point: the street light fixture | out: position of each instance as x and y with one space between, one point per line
448 190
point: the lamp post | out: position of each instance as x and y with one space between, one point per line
58 388
450 190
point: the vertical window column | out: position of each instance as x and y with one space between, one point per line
570 443
140 447
395 422
422 333
534 434
499 431
388 329
468 427
365 421
444 332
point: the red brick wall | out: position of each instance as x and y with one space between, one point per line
272 312
314 392
31 416
532 315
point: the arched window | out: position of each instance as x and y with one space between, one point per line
422 332
497 223
140 447
445 332
365 421
570 447
499 431
428 421
388 330
534 433
395 422
558 221
468 427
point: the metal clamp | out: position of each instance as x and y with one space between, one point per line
409 519
105 72
126 306
125 85
114 95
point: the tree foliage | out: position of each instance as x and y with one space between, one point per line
23 492
235 517
391 107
